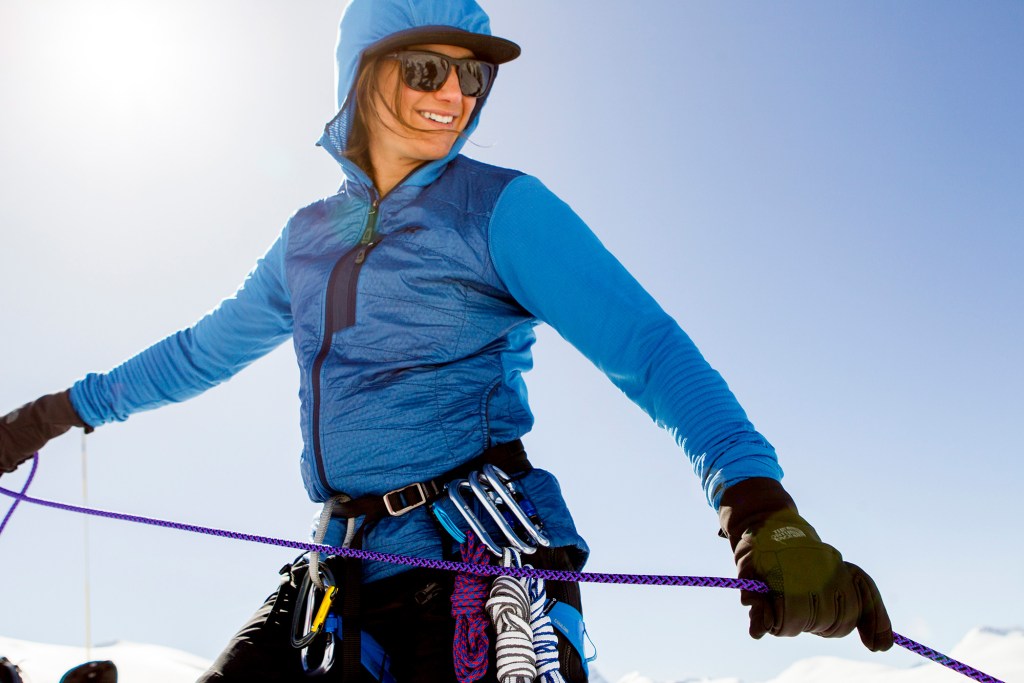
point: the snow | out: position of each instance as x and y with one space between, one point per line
997 652
42 663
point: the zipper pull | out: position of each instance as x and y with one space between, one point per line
361 255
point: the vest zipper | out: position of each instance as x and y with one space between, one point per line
339 313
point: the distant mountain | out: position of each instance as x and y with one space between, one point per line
635 677
997 652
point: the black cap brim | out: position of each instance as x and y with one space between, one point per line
488 48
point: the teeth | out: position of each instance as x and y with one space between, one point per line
437 117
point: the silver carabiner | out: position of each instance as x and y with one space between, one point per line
455 495
487 498
313 619
503 485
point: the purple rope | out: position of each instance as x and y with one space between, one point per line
468 568
28 482
373 556
944 660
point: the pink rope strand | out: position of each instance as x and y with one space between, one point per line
469 648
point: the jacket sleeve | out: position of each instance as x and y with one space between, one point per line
241 329
560 272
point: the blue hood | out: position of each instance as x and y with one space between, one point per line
363 24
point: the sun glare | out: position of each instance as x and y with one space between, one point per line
120 60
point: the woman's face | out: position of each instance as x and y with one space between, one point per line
436 118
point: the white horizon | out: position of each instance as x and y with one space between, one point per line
998 652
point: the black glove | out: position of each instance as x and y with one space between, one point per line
25 430
811 588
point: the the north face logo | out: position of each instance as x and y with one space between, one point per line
787 533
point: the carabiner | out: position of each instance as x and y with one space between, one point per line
489 499
506 489
455 495
313 620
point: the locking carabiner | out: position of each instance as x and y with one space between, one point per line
313 619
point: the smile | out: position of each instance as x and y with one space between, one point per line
438 118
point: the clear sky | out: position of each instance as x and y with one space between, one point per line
829 197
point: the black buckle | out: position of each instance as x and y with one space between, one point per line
401 503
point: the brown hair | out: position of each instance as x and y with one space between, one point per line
368 93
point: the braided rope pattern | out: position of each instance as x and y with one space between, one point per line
944 660
475 569
488 570
545 642
17 500
509 607
469 647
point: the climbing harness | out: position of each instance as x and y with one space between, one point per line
370 509
470 568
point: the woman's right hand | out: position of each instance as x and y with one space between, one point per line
25 430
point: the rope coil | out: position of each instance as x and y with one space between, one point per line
469 648
545 642
509 607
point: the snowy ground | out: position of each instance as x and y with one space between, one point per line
136 663
999 653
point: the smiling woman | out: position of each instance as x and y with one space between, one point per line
761 168
411 296
418 102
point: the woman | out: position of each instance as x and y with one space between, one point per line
411 296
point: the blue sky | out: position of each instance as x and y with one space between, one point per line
829 197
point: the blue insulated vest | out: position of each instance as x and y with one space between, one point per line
409 345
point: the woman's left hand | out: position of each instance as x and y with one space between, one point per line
811 588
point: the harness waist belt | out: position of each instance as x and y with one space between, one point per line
510 457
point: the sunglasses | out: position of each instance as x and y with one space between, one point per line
428 71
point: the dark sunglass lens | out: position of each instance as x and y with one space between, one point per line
425 73
474 77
